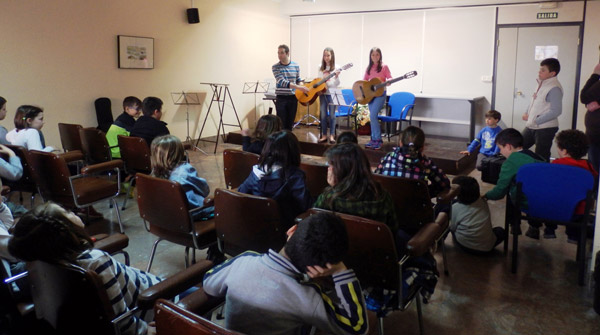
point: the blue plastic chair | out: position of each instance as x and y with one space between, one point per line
400 104
347 111
552 193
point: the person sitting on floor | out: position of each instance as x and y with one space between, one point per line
572 145
149 125
278 176
266 125
471 225
272 293
123 124
486 138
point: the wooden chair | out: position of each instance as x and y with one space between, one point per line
552 202
316 177
69 136
237 166
135 154
70 299
165 210
55 183
172 319
373 257
414 207
94 145
26 183
237 231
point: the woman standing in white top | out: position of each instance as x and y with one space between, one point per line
29 121
327 110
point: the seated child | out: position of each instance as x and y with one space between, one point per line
347 137
29 121
149 125
510 142
168 160
272 293
486 138
11 169
123 124
352 189
266 125
572 145
51 234
408 161
278 176
470 224
3 130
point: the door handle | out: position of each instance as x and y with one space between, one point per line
519 93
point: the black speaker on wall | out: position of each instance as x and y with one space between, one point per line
192 15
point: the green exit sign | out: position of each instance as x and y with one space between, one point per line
543 16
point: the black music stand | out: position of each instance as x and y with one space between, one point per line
338 100
187 99
254 87
220 94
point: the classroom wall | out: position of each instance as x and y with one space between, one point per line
62 55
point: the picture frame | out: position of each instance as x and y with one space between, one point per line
135 52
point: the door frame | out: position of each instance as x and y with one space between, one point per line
577 64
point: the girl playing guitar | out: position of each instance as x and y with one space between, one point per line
377 69
327 111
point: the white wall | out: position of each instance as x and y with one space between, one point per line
62 55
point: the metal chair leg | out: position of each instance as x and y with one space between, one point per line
152 254
380 325
444 258
419 313
515 247
126 196
114 203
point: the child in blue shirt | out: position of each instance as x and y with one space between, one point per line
487 138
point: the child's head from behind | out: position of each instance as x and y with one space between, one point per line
492 117
152 107
509 140
347 137
348 166
166 153
2 108
412 140
132 106
469 189
549 67
282 149
572 143
267 125
29 117
49 233
317 240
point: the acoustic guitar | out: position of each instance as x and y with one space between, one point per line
364 91
317 87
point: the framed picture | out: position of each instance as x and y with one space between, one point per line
135 52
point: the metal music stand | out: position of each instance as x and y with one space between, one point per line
306 118
188 99
254 87
338 100
220 94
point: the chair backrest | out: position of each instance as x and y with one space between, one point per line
237 166
172 319
69 136
51 174
316 177
349 100
372 251
238 231
411 199
71 299
553 190
94 145
398 103
27 182
135 153
103 113
163 204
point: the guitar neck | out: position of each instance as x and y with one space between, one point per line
325 79
391 81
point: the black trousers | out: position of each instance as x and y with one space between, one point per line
286 106
542 138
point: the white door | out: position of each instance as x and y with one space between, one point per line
520 51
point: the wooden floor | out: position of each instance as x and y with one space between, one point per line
480 296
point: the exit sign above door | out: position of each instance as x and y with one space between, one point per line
543 16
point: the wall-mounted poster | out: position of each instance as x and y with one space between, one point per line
135 52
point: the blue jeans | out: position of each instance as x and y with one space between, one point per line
327 114
374 107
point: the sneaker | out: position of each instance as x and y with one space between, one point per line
533 233
377 145
549 233
370 144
